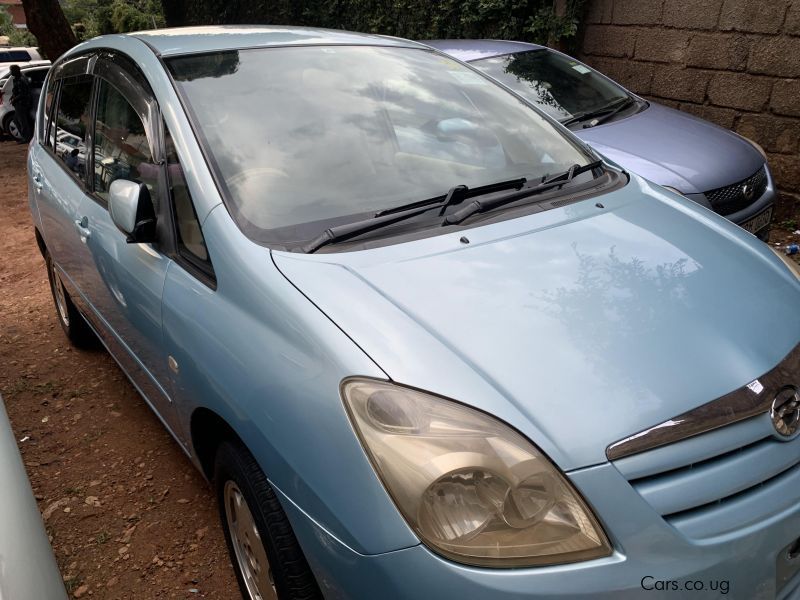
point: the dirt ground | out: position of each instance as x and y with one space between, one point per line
127 513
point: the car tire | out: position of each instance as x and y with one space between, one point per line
264 551
71 320
8 124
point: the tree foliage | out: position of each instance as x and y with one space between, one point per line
90 18
16 37
46 21
532 20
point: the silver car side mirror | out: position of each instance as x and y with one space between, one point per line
132 210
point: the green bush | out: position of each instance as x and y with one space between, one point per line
530 20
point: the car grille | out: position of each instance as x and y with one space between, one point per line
730 199
720 481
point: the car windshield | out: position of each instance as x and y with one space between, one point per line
556 84
309 137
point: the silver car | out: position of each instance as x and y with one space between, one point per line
28 569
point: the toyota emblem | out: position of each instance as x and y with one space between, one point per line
785 411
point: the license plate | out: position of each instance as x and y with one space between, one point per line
758 222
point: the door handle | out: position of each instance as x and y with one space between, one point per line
38 183
83 228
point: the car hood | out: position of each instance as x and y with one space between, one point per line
675 149
579 325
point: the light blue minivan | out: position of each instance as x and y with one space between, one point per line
423 342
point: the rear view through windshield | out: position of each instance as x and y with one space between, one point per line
309 137
555 83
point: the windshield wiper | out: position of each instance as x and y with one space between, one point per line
600 114
547 183
383 218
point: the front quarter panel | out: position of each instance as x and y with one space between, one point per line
256 352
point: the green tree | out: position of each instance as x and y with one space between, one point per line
90 18
530 20
16 37
45 20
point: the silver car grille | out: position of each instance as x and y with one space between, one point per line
724 465
732 198
750 475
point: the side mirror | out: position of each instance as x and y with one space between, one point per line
132 211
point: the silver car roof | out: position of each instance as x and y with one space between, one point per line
191 40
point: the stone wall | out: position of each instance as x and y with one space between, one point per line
734 62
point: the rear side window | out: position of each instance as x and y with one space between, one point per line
14 56
121 148
71 123
36 76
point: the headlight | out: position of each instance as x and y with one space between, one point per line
793 266
756 146
472 488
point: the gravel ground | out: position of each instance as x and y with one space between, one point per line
127 513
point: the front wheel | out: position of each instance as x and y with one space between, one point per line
71 321
266 556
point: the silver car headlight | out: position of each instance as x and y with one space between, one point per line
793 266
472 488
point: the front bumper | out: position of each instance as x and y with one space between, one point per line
759 205
651 559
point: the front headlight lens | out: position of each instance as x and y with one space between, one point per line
793 266
471 487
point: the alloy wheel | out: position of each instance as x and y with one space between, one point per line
248 547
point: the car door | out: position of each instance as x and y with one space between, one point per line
59 188
124 281
189 292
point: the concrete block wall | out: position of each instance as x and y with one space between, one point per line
734 62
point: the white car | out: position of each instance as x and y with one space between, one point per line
36 71
66 143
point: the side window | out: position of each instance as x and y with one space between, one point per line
188 233
37 77
47 132
71 123
121 149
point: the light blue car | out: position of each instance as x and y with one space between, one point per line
423 341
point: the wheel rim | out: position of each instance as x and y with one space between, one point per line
250 553
13 131
59 294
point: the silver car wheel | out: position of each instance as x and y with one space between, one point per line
13 130
59 294
250 553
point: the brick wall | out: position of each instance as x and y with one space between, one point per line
734 62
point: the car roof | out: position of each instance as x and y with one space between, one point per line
468 50
190 40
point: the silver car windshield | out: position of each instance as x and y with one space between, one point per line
556 84
306 137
